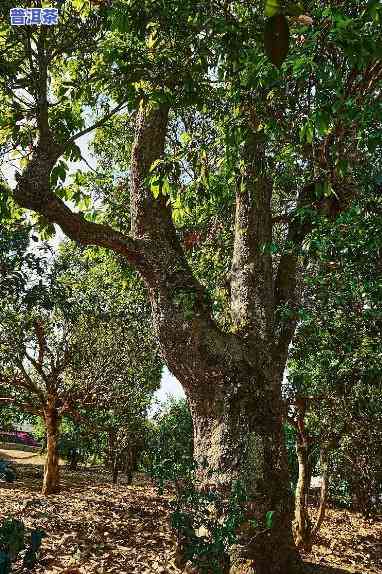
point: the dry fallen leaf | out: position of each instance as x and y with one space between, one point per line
95 528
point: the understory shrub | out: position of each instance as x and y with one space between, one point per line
7 473
206 525
16 544
206 521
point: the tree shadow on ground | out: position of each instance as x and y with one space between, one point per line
29 478
323 569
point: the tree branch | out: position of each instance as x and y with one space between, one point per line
33 192
27 383
41 340
39 369
285 283
94 126
22 406
252 304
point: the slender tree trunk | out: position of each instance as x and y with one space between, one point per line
324 468
309 471
129 463
115 469
240 435
113 456
302 523
51 483
73 459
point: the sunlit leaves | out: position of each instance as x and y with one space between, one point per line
58 173
306 132
10 213
272 7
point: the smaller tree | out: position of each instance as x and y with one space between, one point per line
35 354
335 363
76 353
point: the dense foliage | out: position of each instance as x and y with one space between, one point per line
238 159
14 540
169 451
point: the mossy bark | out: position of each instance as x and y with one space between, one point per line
240 435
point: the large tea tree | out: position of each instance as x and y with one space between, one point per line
266 152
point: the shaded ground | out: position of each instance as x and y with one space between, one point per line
95 528
347 543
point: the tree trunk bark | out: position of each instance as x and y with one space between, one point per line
114 456
324 469
240 436
302 523
51 483
73 459
129 462
115 470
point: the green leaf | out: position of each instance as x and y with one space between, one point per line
85 203
295 9
323 124
155 190
307 132
58 173
374 8
185 138
272 7
155 164
269 248
342 167
276 39
269 518
165 186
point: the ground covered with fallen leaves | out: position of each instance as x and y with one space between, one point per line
94 527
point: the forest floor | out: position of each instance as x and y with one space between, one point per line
94 527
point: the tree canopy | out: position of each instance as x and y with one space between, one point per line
232 139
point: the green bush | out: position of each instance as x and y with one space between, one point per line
169 453
206 525
206 521
13 541
6 471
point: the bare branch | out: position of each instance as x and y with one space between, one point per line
96 125
40 335
28 383
22 406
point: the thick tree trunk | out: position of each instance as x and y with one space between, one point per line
51 483
240 436
302 524
238 423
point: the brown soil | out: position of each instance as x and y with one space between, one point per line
95 528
